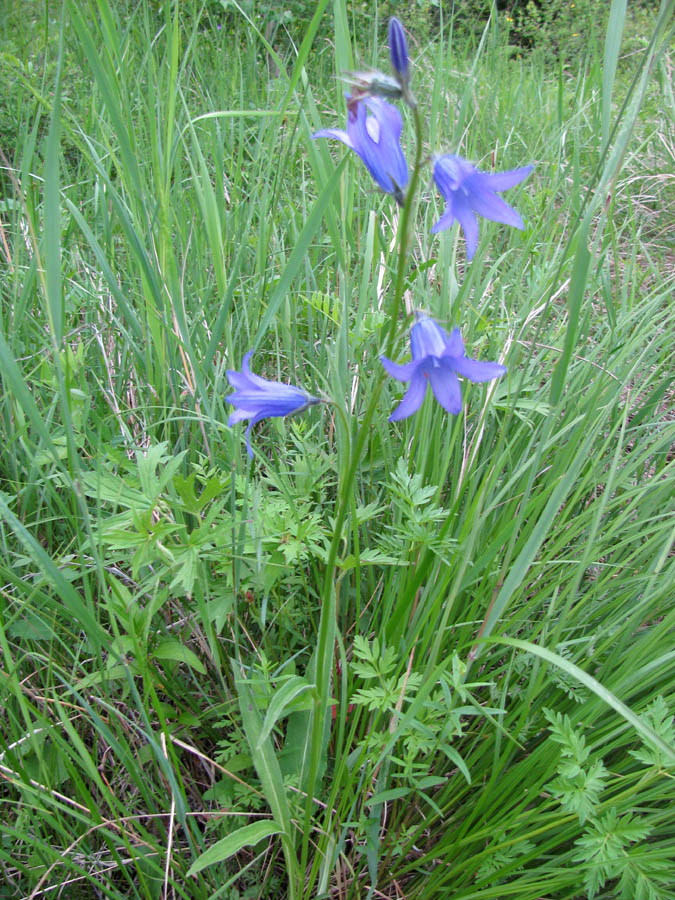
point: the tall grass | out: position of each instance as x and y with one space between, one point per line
498 614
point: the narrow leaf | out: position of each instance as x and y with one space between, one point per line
68 596
645 731
574 300
297 257
617 17
52 220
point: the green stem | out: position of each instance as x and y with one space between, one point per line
327 620
403 236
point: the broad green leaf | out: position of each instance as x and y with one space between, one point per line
264 759
174 650
282 699
247 836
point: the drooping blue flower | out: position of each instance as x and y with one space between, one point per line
256 398
468 192
398 51
373 132
437 359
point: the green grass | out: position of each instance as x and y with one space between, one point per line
450 676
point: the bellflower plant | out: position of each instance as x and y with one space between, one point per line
468 192
256 398
437 359
373 132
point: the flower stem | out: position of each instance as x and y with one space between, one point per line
403 235
328 616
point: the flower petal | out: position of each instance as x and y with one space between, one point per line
450 172
239 415
396 370
336 133
383 156
255 398
272 403
253 422
490 206
475 370
427 338
445 385
445 221
254 379
468 221
454 345
398 49
502 181
388 116
239 381
412 399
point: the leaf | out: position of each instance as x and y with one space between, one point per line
282 699
178 652
247 836
388 795
68 598
617 17
657 716
265 761
299 253
454 755
575 296
643 729
52 212
372 557
525 558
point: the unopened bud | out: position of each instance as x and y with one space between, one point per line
398 51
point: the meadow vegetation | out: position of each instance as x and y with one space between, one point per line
427 659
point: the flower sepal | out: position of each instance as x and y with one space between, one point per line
372 84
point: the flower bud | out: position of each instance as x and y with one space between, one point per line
398 51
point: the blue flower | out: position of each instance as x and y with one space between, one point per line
373 132
398 51
256 398
468 191
437 359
